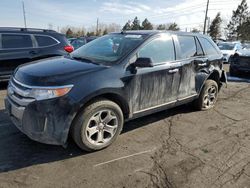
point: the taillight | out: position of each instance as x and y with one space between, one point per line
69 48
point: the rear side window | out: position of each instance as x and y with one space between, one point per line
208 47
188 46
159 50
16 41
44 41
199 48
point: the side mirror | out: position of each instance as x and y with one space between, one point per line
143 62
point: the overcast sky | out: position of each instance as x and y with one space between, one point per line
59 13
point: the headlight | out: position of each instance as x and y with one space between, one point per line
38 92
49 93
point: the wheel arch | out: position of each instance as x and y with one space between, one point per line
114 97
214 75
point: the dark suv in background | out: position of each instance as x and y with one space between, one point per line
117 77
22 45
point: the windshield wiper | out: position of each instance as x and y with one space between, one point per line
84 59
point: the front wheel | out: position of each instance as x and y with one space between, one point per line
98 125
208 96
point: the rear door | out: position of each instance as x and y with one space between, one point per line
15 50
189 51
212 59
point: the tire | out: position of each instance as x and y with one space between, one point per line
208 96
98 125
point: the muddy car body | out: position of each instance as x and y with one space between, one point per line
113 79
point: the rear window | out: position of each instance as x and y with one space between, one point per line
44 41
188 46
208 46
16 41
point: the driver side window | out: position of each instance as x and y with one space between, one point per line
160 50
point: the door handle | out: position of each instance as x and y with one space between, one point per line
173 71
33 52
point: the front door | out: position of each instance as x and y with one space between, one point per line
155 86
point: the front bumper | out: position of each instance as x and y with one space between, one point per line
46 121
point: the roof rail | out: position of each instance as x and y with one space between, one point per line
25 29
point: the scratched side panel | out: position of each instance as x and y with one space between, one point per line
187 83
158 88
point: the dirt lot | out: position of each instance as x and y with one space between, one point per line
175 148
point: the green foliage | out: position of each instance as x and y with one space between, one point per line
195 30
215 27
92 33
146 25
161 27
239 17
173 27
244 31
105 32
127 26
136 24
69 33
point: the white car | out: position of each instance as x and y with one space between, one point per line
228 49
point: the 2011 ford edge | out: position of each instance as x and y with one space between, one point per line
118 77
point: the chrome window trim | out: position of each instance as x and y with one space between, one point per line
57 41
43 87
32 36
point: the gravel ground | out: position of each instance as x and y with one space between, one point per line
174 148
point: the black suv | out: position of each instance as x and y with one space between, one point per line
22 45
113 79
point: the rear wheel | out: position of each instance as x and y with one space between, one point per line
98 125
208 96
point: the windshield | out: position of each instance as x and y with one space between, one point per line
247 46
109 48
226 46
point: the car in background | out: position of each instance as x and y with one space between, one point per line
22 45
91 38
79 42
71 39
240 63
228 49
246 46
117 77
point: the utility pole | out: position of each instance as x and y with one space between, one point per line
205 21
208 23
97 26
24 16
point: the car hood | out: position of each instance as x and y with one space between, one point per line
245 53
54 71
228 52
